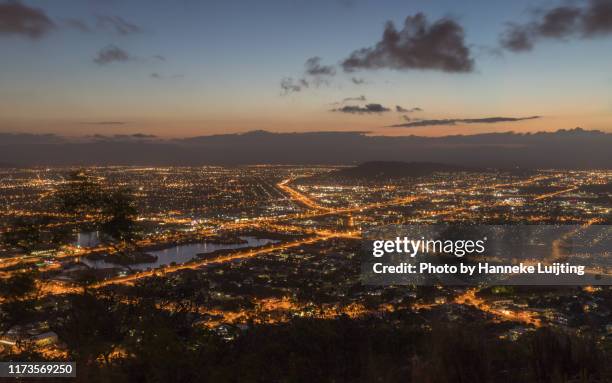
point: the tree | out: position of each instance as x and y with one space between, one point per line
113 214
19 294
118 218
25 234
80 195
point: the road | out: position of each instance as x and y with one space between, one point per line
470 298
245 254
549 195
296 196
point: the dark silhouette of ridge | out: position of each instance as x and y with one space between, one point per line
567 149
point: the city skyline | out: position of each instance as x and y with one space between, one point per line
188 68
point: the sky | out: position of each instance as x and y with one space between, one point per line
186 68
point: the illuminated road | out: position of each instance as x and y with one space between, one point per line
322 236
317 235
556 252
59 288
549 195
317 211
299 197
470 298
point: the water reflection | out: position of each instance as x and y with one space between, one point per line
182 253
87 239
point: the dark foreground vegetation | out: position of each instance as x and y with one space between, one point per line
112 339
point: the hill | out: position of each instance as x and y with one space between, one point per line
383 170
563 149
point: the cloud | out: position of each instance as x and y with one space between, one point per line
559 22
369 108
315 75
21 20
591 19
117 24
77 24
122 137
143 135
360 98
110 54
516 38
289 85
400 109
314 68
418 45
358 80
455 121
160 57
158 76
597 18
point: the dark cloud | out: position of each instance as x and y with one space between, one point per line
158 76
360 98
418 45
314 68
111 54
455 121
597 18
77 24
517 38
559 22
289 85
122 137
357 80
486 50
117 24
21 20
160 57
401 109
315 75
591 19
369 108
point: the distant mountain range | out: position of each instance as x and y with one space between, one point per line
574 149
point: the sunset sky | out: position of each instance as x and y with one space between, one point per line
186 67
